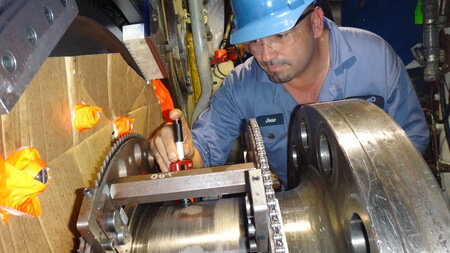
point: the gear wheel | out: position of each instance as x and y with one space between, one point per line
129 155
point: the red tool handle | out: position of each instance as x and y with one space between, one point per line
181 165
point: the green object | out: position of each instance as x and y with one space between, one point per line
418 15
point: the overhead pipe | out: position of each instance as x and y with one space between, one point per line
201 57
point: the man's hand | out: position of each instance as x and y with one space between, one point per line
163 147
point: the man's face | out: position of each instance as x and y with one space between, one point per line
283 56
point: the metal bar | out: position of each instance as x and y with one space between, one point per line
87 225
29 31
194 183
260 212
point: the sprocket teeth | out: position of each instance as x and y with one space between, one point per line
115 146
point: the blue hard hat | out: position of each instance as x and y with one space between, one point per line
255 19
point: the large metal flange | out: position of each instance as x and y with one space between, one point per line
361 184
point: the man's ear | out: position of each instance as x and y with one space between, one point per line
317 22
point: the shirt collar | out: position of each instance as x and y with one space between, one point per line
341 54
341 58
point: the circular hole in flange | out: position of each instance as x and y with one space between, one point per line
8 62
303 134
48 14
63 2
294 156
31 36
137 154
122 168
325 153
358 235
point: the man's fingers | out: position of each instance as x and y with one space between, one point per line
161 164
175 114
159 154
163 144
167 138
178 114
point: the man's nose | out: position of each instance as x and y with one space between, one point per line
267 52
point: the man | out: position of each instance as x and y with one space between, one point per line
299 57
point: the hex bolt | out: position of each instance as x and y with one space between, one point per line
88 193
108 244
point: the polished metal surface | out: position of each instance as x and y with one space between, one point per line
363 185
157 187
309 223
29 30
257 215
207 226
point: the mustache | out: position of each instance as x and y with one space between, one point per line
274 62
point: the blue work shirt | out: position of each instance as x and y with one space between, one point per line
362 63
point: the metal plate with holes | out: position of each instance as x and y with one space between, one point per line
29 30
362 185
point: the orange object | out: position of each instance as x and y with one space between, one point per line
122 126
21 181
85 116
220 54
164 98
233 54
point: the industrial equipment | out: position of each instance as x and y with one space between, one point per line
434 55
363 187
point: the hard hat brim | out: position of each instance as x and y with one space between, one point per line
267 26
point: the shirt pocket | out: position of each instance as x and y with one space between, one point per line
272 135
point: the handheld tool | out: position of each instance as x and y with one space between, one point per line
182 163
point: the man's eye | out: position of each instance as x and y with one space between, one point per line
253 42
280 35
